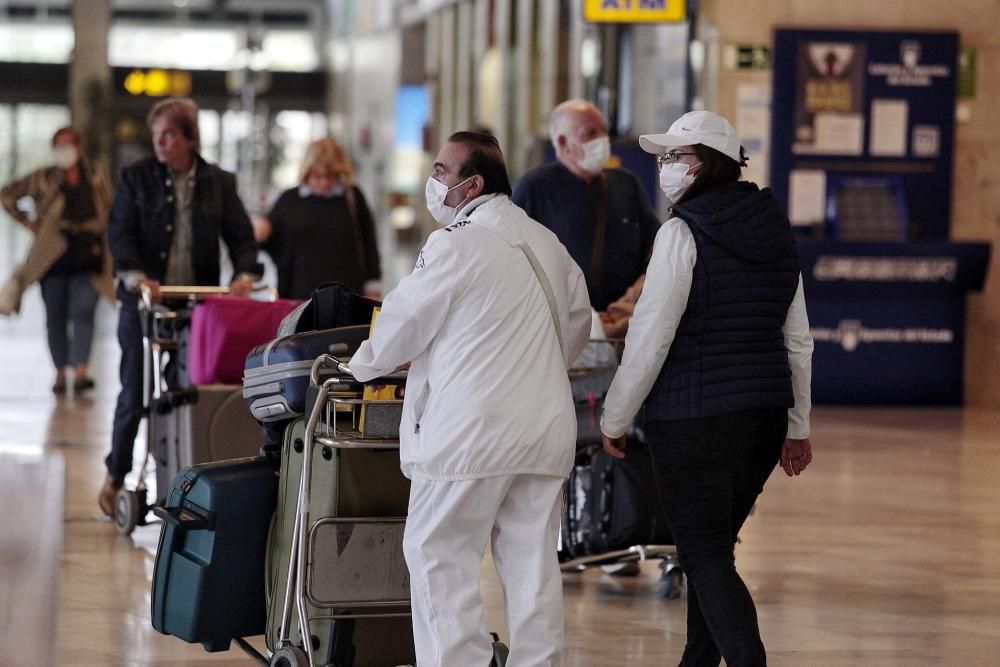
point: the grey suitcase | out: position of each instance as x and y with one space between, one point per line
200 424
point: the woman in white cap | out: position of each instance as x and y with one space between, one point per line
719 351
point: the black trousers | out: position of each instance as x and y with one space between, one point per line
710 472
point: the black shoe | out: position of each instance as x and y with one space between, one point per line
83 384
60 386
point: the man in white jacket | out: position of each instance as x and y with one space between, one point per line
490 320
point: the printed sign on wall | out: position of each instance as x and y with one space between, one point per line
861 121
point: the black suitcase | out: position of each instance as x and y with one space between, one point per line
208 578
612 504
276 374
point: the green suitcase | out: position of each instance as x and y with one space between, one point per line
345 483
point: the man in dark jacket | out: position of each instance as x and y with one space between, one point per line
601 215
164 227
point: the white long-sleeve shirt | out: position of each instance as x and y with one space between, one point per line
654 323
487 391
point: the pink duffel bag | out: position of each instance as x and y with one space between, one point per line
223 331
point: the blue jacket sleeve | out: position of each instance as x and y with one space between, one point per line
123 226
237 232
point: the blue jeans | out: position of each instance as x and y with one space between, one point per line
70 301
710 472
129 410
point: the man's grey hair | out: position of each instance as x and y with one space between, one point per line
561 115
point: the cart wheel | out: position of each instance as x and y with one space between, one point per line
290 656
127 511
671 583
500 652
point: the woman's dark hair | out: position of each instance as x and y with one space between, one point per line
485 159
716 169
70 130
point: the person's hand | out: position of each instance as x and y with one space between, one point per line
240 287
635 291
621 308
262 228
154 289
796 455
614 446
614 327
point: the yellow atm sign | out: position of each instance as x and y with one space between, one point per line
634 11
158 83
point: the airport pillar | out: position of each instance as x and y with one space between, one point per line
89 91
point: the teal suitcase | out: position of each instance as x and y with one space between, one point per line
208 578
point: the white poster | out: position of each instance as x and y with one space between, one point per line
753 126
806 196
839 133
926 141
888 129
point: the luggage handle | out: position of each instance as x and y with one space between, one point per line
330 361
181 517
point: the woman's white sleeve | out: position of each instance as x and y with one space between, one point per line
653 325
799 343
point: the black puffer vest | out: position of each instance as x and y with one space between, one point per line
729 352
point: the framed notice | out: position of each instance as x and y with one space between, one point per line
865 104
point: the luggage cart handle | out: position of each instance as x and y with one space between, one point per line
328 361
195 291
332 362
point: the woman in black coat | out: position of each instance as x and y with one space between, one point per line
322 231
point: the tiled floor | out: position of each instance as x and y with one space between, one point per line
884 553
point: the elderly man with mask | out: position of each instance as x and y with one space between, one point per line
490 320
602 216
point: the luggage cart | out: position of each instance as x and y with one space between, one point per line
590 383
352 567
163 326
164 338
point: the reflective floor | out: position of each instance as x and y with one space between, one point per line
885 552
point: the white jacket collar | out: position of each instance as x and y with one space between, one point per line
469 208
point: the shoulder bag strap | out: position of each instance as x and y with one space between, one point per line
599 191
543 280
360 247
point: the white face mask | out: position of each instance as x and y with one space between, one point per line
435 193
65 156
595 154
675 180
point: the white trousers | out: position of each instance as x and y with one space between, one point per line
445 541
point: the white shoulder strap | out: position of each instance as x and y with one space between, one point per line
550 297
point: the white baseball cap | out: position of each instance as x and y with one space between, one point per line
695 127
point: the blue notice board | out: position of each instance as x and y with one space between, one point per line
852 104
888 319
